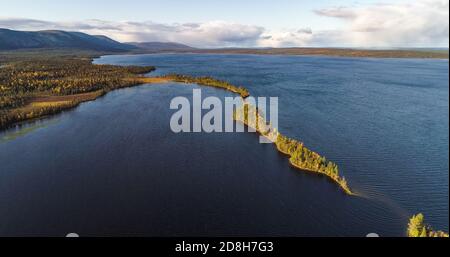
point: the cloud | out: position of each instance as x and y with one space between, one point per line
289 38
208 34
419 23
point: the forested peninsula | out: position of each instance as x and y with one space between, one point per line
300 157
33 86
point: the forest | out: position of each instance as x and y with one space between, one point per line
32 86
300 156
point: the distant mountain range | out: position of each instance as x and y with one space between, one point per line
55 39
13 40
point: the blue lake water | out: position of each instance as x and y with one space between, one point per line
113 166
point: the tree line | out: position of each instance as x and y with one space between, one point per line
299 155
209 81
24 78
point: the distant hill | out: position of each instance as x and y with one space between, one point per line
161 46
12 40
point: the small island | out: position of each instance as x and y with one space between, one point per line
418 228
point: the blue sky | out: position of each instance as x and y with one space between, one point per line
374 23
269 13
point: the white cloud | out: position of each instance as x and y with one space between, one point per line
208 34
290 38
419 23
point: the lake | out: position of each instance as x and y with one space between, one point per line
113 167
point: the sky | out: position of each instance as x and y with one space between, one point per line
244 23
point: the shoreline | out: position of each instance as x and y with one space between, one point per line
46 106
